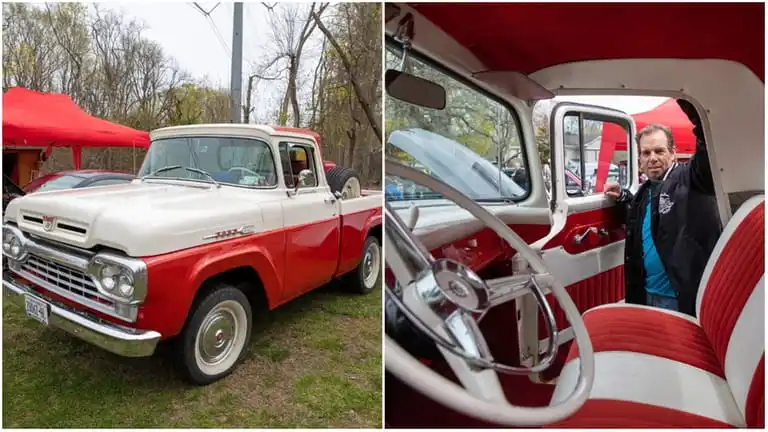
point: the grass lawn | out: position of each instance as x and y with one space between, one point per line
314 362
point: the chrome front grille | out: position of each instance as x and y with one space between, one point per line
67 282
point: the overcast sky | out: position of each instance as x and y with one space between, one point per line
188 36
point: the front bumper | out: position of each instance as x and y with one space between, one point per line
120 340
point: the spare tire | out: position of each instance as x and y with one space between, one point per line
346 181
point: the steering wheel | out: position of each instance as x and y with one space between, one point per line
440 297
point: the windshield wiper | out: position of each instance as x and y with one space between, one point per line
159 170
205 173
173 167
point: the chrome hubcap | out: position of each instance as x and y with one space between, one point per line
371 262
218 331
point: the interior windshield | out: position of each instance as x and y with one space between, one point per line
473 144
227 160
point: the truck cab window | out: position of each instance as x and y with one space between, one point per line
294 159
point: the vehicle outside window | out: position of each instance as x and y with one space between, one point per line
585 155
245 162
473 144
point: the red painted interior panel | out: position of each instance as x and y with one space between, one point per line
610 219
606 287
489 246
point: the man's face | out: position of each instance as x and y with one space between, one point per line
655 156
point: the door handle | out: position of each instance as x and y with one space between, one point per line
330 200
602 232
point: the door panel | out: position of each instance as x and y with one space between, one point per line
587 255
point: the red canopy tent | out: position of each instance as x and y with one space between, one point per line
34 120
614 137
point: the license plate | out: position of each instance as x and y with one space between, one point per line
36 309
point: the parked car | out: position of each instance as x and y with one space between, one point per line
193 253
76 179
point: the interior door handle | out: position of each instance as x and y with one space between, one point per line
602 232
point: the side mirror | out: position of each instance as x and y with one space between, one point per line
306 179
574 191
412 89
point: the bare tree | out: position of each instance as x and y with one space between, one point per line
289 37
361 98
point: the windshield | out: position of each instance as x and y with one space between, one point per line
473 144
228 160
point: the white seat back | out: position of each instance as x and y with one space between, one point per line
731 306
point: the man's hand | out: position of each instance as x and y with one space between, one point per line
693 116
612 190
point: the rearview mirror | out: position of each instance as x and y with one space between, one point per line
414 90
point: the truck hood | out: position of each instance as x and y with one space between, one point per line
142 219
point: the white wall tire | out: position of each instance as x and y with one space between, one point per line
367 275
216 336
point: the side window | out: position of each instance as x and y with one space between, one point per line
592 157
296 158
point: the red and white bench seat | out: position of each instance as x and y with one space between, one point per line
658 368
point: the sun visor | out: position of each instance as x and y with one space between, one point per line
514 84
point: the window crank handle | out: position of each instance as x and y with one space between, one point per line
579 239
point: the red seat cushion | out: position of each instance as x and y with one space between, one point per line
649 331
652 368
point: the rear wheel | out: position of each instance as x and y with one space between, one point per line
368 273
215 338
346 181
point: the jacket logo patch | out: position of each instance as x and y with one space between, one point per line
665 203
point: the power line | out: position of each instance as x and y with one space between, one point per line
217 33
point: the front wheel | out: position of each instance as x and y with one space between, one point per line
215 338
368 273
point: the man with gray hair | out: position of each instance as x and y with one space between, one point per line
672 221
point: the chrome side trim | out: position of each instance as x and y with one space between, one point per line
120 340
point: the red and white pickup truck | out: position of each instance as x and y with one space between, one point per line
225 221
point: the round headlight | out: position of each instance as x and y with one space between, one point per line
11 245
109 275
125 286
7 239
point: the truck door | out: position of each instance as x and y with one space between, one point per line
590 146
311 221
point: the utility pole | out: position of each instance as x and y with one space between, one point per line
237 64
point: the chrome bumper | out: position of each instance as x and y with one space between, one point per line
122 341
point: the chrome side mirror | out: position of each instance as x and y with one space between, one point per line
306 179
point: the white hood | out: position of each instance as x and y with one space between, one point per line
143 219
